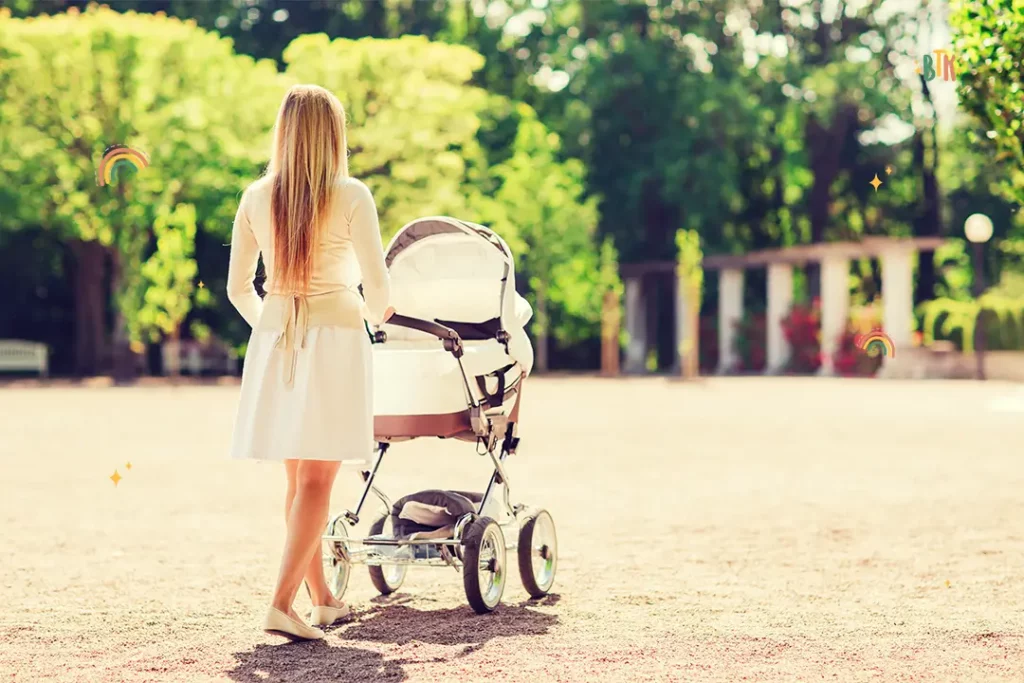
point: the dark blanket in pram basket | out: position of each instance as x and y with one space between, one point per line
455 503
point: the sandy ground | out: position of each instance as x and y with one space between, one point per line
732 530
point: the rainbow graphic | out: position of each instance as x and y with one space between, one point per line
876 343
116 156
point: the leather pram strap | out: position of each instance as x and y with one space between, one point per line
291 316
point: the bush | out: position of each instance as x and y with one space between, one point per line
849 360
708 344
802 328
956 321
752 342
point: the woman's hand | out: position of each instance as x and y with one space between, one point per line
388 312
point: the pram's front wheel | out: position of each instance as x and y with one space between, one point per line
337 566
538 553
386 578
483 572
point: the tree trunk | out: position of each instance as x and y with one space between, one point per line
123 361
89 271
611 321
929 219
541 359
826 145
173 346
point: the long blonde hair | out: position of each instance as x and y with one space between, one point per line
309 156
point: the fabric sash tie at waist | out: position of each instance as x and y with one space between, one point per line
291 316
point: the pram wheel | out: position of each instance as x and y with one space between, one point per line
483 571
386 578
337 567
538 553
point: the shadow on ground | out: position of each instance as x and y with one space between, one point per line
392 623
311 662
400 624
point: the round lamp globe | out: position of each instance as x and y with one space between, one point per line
978 228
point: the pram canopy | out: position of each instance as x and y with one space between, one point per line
460 275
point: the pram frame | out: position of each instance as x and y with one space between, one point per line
487 427
491 428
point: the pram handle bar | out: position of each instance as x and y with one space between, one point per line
451 339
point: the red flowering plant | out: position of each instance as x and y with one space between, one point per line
849 360
802 330
751 343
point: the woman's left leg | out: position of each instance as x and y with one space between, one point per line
306 518
316 584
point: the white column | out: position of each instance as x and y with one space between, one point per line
730 312
780 301
835 307
636 326
897 299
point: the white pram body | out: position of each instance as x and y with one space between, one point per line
461 276
450 363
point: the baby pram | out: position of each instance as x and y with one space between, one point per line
451 364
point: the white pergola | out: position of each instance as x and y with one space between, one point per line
895 254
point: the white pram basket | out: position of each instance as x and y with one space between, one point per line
449 276
451 363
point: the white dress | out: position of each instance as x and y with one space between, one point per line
307 393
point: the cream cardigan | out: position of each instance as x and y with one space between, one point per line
349 253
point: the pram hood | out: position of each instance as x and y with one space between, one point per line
459 274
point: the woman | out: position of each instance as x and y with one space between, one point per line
306 386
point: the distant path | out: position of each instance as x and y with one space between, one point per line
737 529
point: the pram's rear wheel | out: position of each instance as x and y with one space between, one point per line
538 553
337 566
483 572
386 578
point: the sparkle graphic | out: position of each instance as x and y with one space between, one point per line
875 183
128 466
115 477
201 285
888 170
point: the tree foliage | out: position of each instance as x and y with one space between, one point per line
413 118
75 83
541 200
989 45
418 133
755 123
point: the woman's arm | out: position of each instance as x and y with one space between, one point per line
245 254
365 231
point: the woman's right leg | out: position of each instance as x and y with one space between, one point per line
319 593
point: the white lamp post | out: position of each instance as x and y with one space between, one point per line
978 229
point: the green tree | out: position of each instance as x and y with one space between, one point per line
427 142
413 118
75 83
541 200
162 291
989 44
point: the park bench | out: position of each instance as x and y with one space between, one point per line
195 358
24 356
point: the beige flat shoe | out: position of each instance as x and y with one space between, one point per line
279 623
325 616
